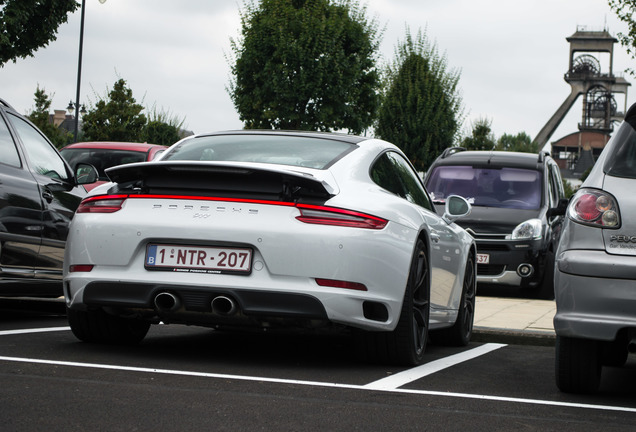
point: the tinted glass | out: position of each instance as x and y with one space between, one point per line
622 161
42 156
273 149
102 158
505 187
392 172
8 152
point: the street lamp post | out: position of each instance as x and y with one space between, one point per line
79 70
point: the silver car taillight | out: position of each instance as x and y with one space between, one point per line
596 208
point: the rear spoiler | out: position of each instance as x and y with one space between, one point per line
220 177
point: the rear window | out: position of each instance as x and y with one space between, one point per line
101 158
503 187
622 161
297 151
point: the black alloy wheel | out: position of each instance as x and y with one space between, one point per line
411 333
421 302
406 344
460 333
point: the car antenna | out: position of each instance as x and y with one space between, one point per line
492 153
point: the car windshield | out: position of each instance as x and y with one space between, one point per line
298 151
622 161
490 187
101 158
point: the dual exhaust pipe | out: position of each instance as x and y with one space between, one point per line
221 305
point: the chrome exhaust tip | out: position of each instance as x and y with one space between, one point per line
223 305
167 302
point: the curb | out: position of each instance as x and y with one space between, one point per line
513 337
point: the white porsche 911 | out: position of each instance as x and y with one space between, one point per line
272 229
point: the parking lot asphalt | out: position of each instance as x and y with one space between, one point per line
514 321
497 319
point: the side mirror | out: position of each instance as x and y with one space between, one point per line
456 207
85 173
560 209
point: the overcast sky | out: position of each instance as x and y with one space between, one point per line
511 54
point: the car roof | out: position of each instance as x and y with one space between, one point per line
493 158
352 139
112 145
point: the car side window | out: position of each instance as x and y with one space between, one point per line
554 186
42 157
551 198
8 151
558 181
392 172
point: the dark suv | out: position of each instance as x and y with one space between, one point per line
518 205
38 196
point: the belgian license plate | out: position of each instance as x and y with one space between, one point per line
483 258
198 259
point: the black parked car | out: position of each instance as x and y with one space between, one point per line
38 196
518 205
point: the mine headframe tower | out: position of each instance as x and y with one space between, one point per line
597 85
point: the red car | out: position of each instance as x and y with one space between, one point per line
104 155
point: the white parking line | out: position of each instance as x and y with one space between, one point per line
36 330
319 384
390 384
410 375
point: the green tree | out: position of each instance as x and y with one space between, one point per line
116 117
421 108
27 25
305 64
157 132
481 137
518 143
162 127
625 11
41 117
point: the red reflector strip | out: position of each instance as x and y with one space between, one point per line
341 284
206 198
80 268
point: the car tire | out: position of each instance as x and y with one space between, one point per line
460 333
577 365
99 327
405 345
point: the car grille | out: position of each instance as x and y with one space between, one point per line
490 270
485 248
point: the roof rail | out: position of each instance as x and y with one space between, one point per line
6 104
542 155
451 150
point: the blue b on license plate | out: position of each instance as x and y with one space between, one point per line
198 259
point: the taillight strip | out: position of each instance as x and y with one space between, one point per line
314 214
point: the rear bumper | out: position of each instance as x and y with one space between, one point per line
140 297
277 300
595 294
